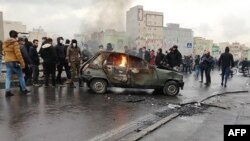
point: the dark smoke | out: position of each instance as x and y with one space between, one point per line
105 14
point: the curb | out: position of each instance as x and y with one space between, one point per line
144 132
200 100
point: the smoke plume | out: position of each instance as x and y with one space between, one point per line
105 14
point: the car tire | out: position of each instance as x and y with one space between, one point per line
99 86
171 88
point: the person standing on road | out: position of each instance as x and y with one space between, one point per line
244 66
27 70
101 48
74 59
144 54
226 60
152 57
14 63
62 62
197 65
48 54
208 62
1 57
35 61
109 47
175 58
159 58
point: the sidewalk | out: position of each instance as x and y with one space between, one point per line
207 126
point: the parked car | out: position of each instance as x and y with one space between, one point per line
112 69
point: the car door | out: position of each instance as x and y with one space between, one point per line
115 66
141 73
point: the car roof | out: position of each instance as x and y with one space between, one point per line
113 52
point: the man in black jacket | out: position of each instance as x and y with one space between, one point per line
60 52
28 66
48 54
159 58
35 61
226 60
174 58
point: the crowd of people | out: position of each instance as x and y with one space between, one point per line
174 60
22 60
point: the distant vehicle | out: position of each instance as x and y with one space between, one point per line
112 69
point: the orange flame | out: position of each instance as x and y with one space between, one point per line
123 61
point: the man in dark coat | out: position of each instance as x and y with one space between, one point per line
62 63
226 60
244 67
49 56
35 61
208 62
174 58
159 58
28 66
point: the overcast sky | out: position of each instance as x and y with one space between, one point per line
220 20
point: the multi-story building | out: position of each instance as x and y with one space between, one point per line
236 50
37 33
182 37
144 28
239 51
1 27
223 45
201 45
13 25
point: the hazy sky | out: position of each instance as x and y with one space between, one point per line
220 20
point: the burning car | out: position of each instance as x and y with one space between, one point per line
112 69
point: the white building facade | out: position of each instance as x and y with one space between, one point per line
182 37
13 25
144 28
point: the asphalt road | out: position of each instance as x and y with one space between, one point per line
62 113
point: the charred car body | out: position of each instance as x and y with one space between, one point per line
112 69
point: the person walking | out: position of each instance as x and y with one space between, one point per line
14 63
225 62
208 62
48 54
35 61
74 58
197 65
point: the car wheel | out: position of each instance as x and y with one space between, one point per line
98 86
171 88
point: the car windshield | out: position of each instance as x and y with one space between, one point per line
119 60
136 62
